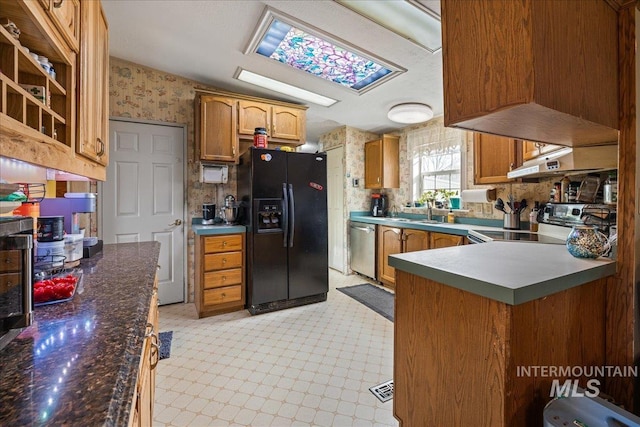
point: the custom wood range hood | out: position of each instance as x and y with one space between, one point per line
556 82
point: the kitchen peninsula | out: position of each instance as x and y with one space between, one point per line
81 361
467 317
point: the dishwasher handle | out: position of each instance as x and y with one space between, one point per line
365 229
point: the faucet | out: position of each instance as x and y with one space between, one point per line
429 211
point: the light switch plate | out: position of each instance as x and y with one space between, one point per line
356 182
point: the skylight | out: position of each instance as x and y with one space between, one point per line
298 45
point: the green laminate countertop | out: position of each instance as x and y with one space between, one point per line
510 272
219 228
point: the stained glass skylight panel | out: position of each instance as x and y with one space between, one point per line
306 52
291 42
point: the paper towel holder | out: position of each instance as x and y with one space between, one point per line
211 173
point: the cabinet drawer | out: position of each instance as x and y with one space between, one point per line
222 295
9 261
223 260
222 278
9 281
226 243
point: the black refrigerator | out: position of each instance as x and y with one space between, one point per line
283 204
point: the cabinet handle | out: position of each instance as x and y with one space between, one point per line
7 261
224 278
224 295
101 144
378 179
57 3
224 243
155 351
224 260
150 327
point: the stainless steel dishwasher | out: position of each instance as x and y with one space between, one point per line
362 237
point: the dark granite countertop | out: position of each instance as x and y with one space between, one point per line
78 363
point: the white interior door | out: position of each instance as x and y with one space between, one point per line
335 207
143 196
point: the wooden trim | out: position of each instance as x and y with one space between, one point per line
622 338
248 98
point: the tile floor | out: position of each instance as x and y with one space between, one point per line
305 366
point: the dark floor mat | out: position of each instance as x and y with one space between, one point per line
374 297
165 344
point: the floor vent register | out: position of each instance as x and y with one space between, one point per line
384 391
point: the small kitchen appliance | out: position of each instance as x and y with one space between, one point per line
229 212
16 257
208 213
379 204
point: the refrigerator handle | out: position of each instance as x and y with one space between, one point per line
292 214
285 215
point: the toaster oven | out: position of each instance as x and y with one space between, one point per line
16 276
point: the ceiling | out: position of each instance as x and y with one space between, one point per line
205 40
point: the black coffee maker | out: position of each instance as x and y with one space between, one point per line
379 204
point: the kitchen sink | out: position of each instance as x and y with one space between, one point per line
412 220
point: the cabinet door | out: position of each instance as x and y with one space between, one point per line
389 243
93 105
217 123
493 157
373 164
443 240
287 123
65 15
531 150
252 115
415 240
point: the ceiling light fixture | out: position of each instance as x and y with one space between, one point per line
283 88
410 112
411 19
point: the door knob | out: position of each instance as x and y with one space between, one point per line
176 222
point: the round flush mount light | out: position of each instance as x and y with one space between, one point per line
410 112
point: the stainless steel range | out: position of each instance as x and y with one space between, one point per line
556 221
484 236
569 214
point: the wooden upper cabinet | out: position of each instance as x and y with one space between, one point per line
493 157
216 128
543 71
93 93
252 115
281 122
288 123
65 14
381 163
532 150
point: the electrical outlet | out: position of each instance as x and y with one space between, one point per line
356 182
